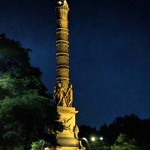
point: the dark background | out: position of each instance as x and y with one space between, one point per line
109 52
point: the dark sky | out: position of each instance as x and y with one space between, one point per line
109 52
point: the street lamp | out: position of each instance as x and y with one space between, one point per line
101 138
93 138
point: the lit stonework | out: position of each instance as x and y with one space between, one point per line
63 92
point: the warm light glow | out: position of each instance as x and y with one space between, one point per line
93 139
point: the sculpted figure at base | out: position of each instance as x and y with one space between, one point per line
69 96
76 131
59 95
63 97
66 124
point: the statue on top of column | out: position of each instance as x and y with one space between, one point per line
62 3
63 97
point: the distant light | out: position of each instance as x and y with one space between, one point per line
93 139
101 138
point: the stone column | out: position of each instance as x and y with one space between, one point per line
63 92
62 44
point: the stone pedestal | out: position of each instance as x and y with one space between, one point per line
63 148
68 138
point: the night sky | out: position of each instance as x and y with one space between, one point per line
109 52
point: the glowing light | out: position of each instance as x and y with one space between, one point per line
84 139
101 138
93 139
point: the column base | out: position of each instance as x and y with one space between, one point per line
68 138
64 148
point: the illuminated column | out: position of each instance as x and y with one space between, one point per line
63 93
62 44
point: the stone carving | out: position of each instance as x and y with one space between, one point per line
69 96
63 97
76 131
66 125
54 95
58 96
62 3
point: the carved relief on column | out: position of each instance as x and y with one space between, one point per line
62 96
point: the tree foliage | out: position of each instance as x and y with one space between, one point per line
124 143
37 145
13 56
87 131
23 118
25 108
128 132
15 67
130 125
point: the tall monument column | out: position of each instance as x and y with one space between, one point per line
62 44
63 92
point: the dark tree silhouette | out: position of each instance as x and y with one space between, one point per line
25 108
15 61
124 143
130 125
87 132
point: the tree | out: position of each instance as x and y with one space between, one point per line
37 145
87 132
24 118
130 125
124 143
15 64
25 108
